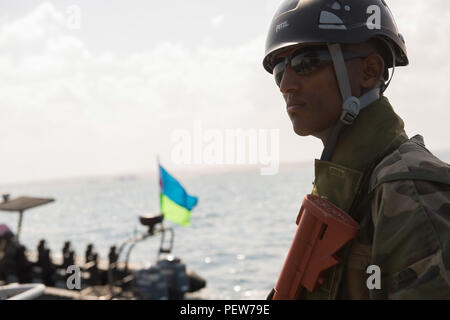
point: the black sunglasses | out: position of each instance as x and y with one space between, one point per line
304 62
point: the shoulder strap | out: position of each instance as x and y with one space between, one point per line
415 175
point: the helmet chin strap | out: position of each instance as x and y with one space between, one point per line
394 59
351 105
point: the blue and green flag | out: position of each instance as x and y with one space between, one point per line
176 204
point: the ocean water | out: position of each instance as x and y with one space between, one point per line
240 230
239 236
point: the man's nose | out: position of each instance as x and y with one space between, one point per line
290 81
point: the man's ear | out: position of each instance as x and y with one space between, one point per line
372 71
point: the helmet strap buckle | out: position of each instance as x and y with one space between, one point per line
350 110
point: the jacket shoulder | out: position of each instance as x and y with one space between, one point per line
411 158
411 218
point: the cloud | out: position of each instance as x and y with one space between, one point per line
218 20
419 91
71 111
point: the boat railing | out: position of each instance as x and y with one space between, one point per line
17 291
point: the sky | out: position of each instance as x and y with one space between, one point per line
104 94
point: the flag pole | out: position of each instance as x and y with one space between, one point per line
159 182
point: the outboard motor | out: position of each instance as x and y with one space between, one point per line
150 284
177 279
168 279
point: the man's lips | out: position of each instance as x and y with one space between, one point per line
295 107
294 104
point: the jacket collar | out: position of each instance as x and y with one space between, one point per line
369 136
375 133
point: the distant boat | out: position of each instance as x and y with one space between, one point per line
168 278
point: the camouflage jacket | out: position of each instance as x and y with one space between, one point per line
400 194
411 217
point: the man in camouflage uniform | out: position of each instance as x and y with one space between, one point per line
330 60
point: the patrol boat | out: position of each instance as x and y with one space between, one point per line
41 275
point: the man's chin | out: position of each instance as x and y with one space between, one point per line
301 132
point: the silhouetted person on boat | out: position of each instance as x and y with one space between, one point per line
46 264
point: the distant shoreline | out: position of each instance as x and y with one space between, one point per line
182 170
